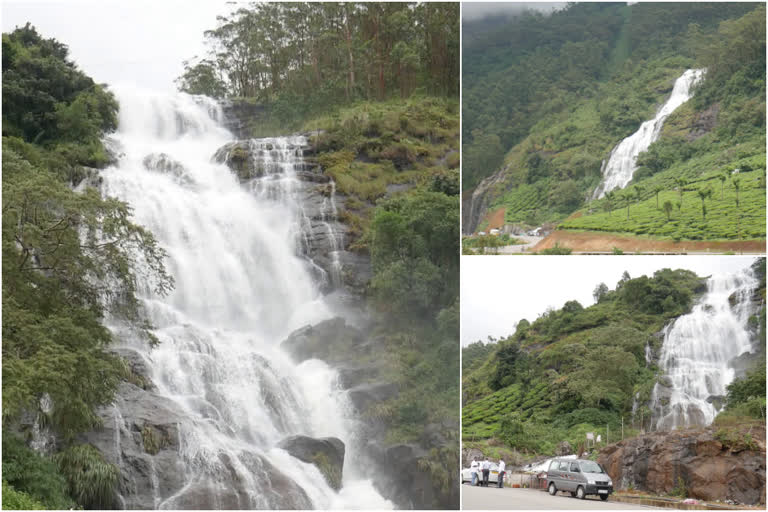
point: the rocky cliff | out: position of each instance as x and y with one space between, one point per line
710 464
401 476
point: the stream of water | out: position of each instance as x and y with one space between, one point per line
698 350
622 162
241 286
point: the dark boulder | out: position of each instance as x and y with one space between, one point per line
366 395
326 453
330 341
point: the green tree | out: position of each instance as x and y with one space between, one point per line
722 179
657 190
704 193
681 183
668 209
599 292
609 197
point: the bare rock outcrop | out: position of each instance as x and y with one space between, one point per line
711 464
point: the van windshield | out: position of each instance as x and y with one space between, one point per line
589 466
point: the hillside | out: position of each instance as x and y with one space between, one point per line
537 152
595 369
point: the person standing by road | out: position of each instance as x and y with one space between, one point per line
473 469
502 467
486 471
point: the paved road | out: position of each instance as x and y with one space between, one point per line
530 241
490 498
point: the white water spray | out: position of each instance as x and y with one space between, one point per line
240 288
698 349
622 163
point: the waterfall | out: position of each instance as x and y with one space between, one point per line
697 351
241 286
621 164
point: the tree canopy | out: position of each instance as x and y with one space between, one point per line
319 54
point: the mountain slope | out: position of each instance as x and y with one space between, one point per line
573 120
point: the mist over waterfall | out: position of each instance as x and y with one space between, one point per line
698 351
617 171
241 286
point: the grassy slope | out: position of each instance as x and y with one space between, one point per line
372 145
724 220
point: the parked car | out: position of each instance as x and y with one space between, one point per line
579 477
493 476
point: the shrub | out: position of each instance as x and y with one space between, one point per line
91 480
32 476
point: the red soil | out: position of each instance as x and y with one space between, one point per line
580 241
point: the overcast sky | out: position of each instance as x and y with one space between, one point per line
497 291
143 42
140 42
474 10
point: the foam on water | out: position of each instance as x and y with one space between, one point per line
240 287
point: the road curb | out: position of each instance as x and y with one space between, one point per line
653 501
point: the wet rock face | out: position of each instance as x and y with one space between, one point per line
238 157
709 470
141 435
330 341
326 453
324 239
241 115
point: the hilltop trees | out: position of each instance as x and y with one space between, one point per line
310 55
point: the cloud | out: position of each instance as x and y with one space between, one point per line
141 42
499 291
475 10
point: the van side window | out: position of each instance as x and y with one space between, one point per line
575 467
563 466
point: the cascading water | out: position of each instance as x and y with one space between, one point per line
697 351
621 164
241 287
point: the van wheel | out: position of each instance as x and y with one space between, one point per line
552 489
580 493
604 497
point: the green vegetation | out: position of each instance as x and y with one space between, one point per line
548 111
372 149
485 244
573 370
413 241
723 220
91 480
16 500
331 473
68 258
301 59
32 477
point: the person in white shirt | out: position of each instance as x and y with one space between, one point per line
502 467
473 469
486 471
